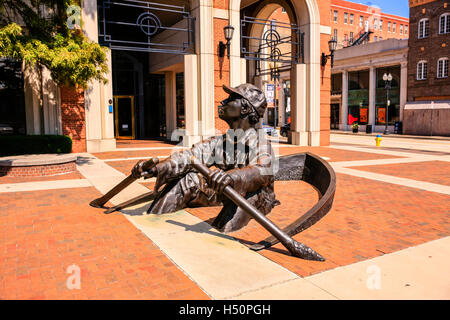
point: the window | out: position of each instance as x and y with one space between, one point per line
389 26
442 69
375 39
375 24
361 21
283 10
351 37
335 16
422 70
381 25
444 23
401 29
381 38
394 27
345 17
352 17
424 28
335 35
406 30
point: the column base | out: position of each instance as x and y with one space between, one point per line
314 138
298 138
101 145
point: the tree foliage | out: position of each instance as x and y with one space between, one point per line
36 31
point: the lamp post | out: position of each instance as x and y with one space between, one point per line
332 47
387 85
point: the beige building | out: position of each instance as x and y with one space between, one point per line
358 91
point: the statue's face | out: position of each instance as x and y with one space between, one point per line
230 108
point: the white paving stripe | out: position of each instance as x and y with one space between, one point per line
391 153
360 163
134 158
218 264
427 186
44 185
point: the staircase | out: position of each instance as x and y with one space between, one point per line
361 37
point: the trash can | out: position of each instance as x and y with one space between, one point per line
398 128
368 128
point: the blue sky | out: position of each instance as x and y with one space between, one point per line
398 7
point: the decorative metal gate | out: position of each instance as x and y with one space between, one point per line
135 25
279 51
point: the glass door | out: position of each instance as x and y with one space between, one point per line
124 117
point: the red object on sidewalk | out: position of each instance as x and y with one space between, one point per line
351 119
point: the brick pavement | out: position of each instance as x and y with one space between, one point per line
429 171
45 232
362 224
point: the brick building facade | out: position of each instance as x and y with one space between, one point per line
349 20
428 108
91 118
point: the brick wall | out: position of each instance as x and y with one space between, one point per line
369 14
73 117
38 171
432 48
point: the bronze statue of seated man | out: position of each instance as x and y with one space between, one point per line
243 159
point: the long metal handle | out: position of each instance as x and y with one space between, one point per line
295 248
99 203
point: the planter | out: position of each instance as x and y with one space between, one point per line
355 130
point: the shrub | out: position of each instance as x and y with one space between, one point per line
34 144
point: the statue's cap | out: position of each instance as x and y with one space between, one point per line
251 93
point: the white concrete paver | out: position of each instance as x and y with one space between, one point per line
44 185
419 272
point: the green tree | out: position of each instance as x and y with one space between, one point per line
37 32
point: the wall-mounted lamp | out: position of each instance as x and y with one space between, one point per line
332 46
228 31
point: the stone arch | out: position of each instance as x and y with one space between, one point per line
305 78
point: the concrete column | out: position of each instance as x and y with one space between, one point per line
312 61
298 134
372 94
344 105
235 54
171 103
191 105
99 122
204 45
403 87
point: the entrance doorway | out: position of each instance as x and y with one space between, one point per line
334 121
124 119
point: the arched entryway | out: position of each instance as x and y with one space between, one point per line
305 73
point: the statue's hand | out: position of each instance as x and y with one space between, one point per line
145 168
218 180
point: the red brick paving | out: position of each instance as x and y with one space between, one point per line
429 171
45 232
368 219
66 176
132 154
